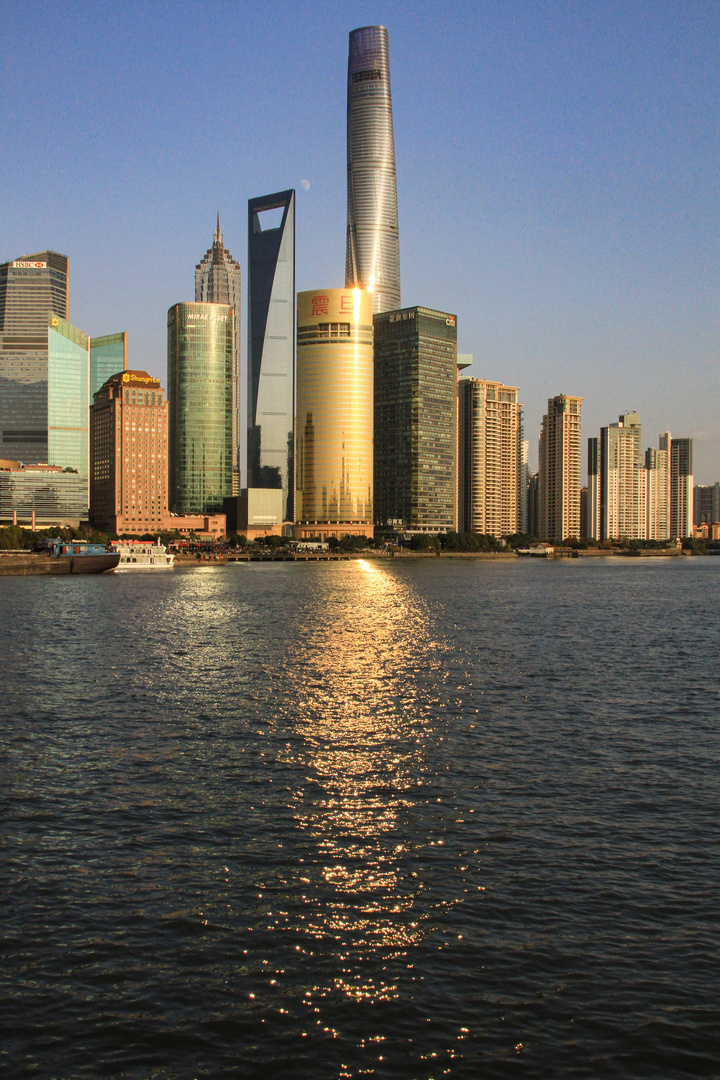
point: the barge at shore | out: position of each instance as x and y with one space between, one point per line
60 557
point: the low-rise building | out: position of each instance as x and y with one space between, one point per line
203 526
41 495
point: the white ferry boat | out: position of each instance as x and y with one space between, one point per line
142 555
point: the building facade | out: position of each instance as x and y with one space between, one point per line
559 472
373 246
681 485
525 474
68 409
415 419
41 494
271 345
617 483
657 494
30 288
218 281
129 455
592 523
334 424
533 504
706 504
200 364
490 468
108 356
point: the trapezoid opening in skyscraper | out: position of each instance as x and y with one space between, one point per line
373 248
271 345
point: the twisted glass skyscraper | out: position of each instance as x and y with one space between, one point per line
373 249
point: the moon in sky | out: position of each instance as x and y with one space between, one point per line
305 185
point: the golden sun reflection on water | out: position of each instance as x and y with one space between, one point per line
362 749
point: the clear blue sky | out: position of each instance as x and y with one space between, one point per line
558 167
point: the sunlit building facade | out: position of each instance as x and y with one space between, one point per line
334 424
45 494
681 485
68 398
657 494
373 246
30 288
218 281
415 419
617 482
491 492
559 472
271 345
592 523
200 364
706 504
129 455
525 474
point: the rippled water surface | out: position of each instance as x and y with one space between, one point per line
392 819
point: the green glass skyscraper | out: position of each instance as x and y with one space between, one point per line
68 408
108 356
200 372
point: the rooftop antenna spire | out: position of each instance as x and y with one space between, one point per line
218 234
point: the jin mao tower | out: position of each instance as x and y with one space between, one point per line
217 281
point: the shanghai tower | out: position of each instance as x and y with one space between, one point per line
373 249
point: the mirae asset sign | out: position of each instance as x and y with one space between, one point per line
19 265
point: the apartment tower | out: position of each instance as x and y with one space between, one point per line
617 481
681 485
490 468
559 472
373 248
657 494
706 504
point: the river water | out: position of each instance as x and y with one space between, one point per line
406 819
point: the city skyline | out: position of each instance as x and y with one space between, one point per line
558 190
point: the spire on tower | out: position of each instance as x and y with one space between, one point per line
218 234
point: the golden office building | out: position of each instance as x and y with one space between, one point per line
129 455
334 421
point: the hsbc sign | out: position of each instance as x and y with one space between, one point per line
19 265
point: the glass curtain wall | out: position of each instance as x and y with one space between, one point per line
200 369
108 356
334 422
271 344
68 397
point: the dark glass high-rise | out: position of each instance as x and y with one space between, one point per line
30 287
